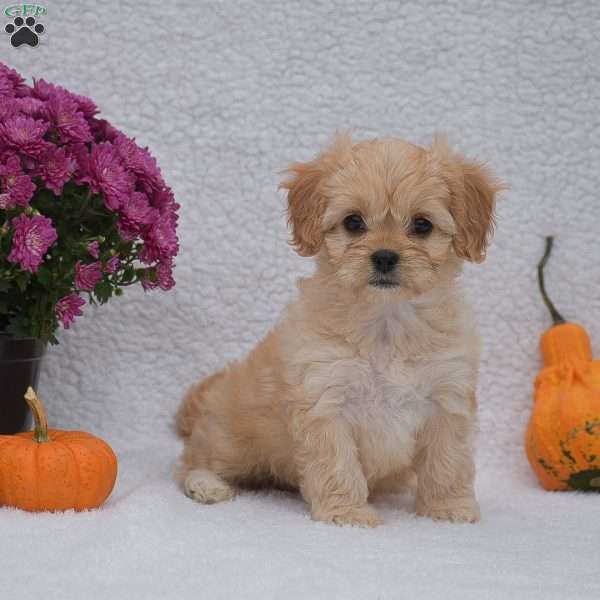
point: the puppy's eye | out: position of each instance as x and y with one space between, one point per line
421 226
355 224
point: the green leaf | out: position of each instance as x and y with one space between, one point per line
44 276
128 274
103 291
22 280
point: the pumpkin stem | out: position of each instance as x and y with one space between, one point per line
556 316
40 433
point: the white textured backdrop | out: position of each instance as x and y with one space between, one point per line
227 93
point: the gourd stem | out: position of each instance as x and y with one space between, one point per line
556 316
40 433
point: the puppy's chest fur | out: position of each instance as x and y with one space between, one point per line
386 405
385 380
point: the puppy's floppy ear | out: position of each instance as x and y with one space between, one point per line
306 201
473 191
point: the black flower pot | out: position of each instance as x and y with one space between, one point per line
20 361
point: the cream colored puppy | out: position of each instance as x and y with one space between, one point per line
371 374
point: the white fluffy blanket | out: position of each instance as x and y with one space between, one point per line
226 94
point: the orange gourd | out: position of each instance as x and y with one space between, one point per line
563 436
53 470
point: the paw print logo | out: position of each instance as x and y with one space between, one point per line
24 31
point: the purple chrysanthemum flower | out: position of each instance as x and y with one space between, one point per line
63 112
160 242
87 277
11 74
164 201
9 107
136 213
94 249
69 307
164 276
137 209
12 82
148 278
25 135
126 230
31 239
139 161
16 188
32 107
112 264
57 167
103 131
50 137
86 105
102 169
160 276
7 88
44 91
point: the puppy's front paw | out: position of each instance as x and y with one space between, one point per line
207 487
457 510
362 516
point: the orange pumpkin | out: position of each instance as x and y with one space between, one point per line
563 436
52 470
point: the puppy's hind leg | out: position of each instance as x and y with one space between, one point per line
206 487
205 439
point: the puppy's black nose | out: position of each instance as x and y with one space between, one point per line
384 261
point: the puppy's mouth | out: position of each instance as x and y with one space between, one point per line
384 283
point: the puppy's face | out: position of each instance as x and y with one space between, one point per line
390 217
